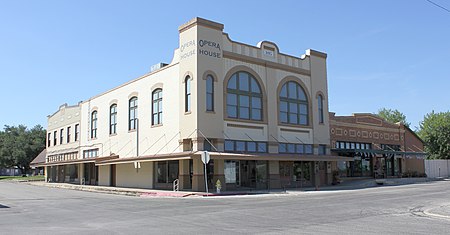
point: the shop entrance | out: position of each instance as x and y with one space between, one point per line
90 174
246 174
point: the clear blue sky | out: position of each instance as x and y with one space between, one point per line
383 53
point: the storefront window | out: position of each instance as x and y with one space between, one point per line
231 172
173 171
166 171
161 171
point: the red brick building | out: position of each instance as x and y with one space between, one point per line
379 148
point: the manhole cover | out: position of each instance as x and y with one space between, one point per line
3 206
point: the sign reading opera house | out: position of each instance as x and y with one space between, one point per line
261 114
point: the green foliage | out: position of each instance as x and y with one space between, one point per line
29 178
393 115
435 132
19 145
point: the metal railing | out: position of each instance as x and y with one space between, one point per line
176 185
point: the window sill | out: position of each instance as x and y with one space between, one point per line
114 134
133 130
210 111
294 125
157 125
244 120
187 113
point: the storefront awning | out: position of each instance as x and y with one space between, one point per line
77 161
378 151
278 157
225 156
147 158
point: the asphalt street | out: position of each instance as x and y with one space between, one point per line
30 209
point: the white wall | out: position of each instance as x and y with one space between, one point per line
437 168
104 175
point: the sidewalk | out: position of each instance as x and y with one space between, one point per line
346 185
119 190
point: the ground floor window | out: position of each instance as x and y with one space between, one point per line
166 171
295 174
246 174
231 172
71 173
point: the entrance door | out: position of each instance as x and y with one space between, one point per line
112 171
248 174
90 174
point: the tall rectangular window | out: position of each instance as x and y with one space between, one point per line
61 136
157 107
68 134
55 138
77 131
94 125
209 93
49 140
187 94
320 107
132 113
113 119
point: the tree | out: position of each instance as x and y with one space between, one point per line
19 146
393 115
435 132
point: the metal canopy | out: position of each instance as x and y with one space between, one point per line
378 151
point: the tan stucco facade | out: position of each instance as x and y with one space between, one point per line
204 50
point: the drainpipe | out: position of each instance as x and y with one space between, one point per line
137 137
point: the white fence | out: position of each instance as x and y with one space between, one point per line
437 168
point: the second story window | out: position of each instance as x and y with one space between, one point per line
187 94
244 97
113 119
293 104
68 134
132 113
77 131
322 150
49 140
94 125
61 136
157 107
55 138
209 93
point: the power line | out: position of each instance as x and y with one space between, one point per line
445 9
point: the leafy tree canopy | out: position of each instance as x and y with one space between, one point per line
435 132
393 115
19 145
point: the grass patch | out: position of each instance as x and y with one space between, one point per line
36 177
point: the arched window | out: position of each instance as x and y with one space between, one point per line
113 119
94 125
157 107
209 93
132 113
244 97
293 104
320 108
187 94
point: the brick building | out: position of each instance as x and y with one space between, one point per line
379 148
